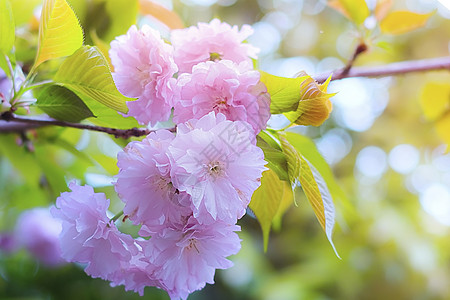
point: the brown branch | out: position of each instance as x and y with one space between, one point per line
14 123
404 67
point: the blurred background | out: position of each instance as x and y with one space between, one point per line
393 233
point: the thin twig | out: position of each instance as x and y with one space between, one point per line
404 67
361 48
34 123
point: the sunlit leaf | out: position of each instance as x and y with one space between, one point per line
7 27
103 47
318 195
266 201
435 100
382 9
355 10
399 22
168 17
87 72
302 172
276 159
60 33
284 92
314 106
62 104
306 148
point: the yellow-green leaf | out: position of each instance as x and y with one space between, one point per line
122 14
292 158
399 22
60 33
314 106
435 100
443 129
86 72
285 203
319 197
266 201
355 10
284 92
276 159
7 27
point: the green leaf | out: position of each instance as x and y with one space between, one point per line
314 106
60 33
319 197
62 104
86 72
355 10
399 22
293 160
276 159
7 27
266 201
285 204
312 181
306 148
23 10
284 92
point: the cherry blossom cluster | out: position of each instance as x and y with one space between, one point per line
186 190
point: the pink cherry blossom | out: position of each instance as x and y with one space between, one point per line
223 87
88 236
218 164
186 258
143 67
211 41
145 185
38 232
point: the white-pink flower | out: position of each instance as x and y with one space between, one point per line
211 41
88 236
223 87
144 183
186 258
143 67
217 163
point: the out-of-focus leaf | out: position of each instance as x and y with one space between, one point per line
62 104
168 17
285 203
87 72
306 147
60 33
435 100
399 22
284 92
355 10
443 129
276 160
53 173
7 27
382 9
314 106
23 10
108 163
266 201
122 14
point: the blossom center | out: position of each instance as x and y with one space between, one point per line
192 244
220 104
214 56
215 169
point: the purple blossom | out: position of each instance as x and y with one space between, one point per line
218 164
38 232
143 67
211 41
186 258
145 185
223 87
